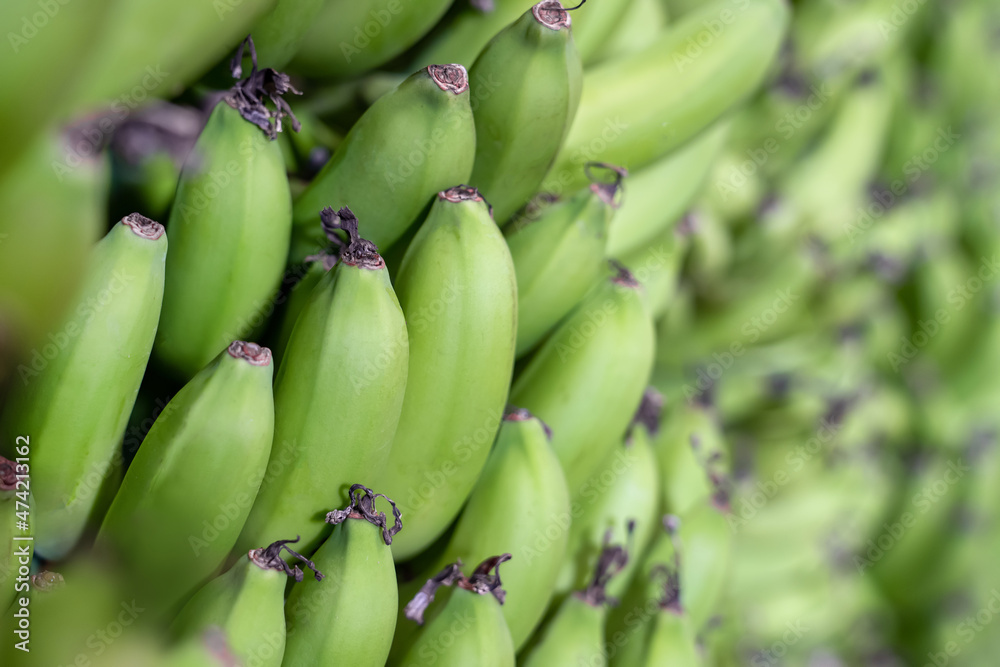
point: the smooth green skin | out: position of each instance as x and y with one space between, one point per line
469 631
247 603
337 400
42 55
279 34
658 267
641 24
52 218
587 380
297 300
464 34
227 251
76 410
632 495
526 85
349 617
201 463
177 40
558 258
672 641
708 552
339 42
371 171
682 467
660 194
575 636
458 291
594 26
638 108
519 502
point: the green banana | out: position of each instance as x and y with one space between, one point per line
47 43
640 25
471 628
387 170
16 504
559 256
708 553
42 261
638 108
229 227
247 604
595 23
673 638
688 450
349 350
189 489
77 406
458 292
575 635
657 267
520 503
623 498
537 71
323 625
156 48
349 38
660 194
279 34
587 380
316 266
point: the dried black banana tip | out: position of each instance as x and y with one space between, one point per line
515 414
671 595
249 95
649 411
613 559
362 506
484 580
622 275
609 192
355 251
269 558
8 474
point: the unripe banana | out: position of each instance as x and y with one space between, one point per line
708 552
247 604
76 409
594 25
519 503
587 380
155 48
188 491
54 211
470 630
323 620
279 34
229 227
559 257
673 640
640 25
349 38
387 170
626 505
575 635
638 108
338 393
658 265
688 447
44 55
660 194
316 266
458 292
536 71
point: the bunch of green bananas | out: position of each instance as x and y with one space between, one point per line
685 314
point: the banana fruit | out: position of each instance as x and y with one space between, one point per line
387 170
229 227
188 491
588 378
458 291
536 71
559 256
638 108
337 395
247 604
76 407
323 620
